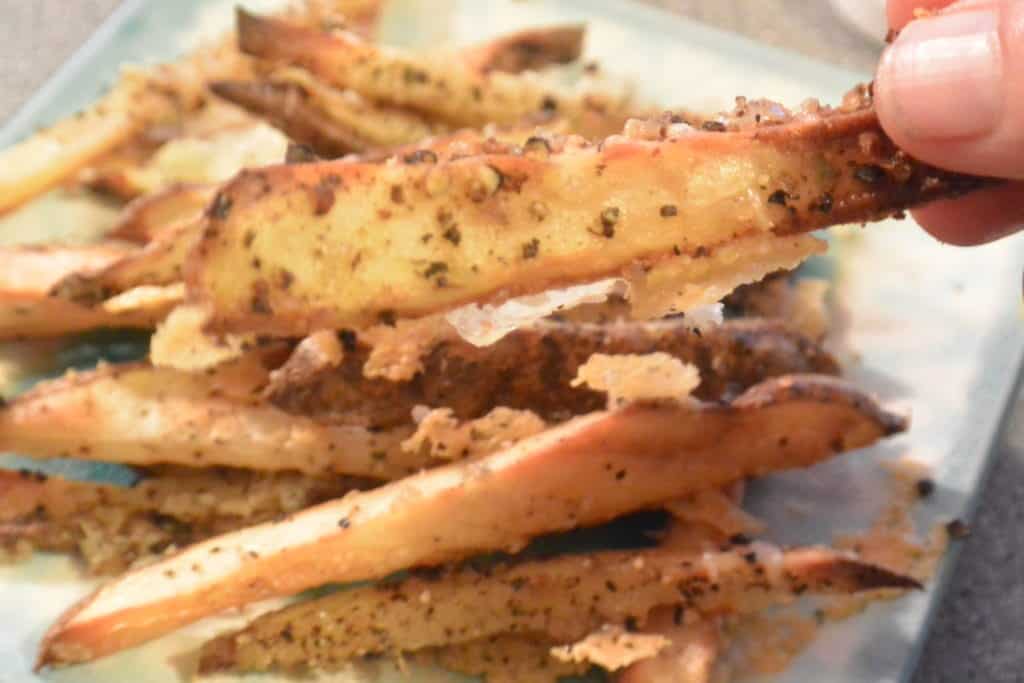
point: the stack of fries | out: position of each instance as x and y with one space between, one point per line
361 370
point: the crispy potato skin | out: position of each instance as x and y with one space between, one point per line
340 244
527 50
583 473
449 91
532 368
149 216
28 273
565 598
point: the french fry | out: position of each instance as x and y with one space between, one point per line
532 369
111 527
527 50
147 217
446 90
136 414
565 598
583 473
342 244
331 122
27 311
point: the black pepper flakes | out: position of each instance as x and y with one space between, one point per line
925 488
957 529
740 539
869 175
531 249
609 217
287 278
778 197
537 146
397 194
677 615
348 340
435 268
344 523
549 104
220 207
421 156
387 318
713 126
453 235
824 203
299 154
669 211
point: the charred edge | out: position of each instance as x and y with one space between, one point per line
820 389
866 576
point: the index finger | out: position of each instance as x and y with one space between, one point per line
900 12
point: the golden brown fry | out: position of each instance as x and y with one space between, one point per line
341 244
26 276
527 50
565 598
446 90
331 122
583 473
46 159
532 369
140 415
147 217
111 527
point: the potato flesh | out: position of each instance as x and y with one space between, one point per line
524 225
140 415
566 598
583 473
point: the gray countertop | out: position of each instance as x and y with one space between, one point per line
978 633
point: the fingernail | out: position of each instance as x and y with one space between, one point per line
942 77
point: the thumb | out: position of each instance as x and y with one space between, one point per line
950 89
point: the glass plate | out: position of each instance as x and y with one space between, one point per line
936 330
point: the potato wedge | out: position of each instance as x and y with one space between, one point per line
527 50
159 262
532 369
585 472
28 312
291 249
333 123
147 217
30 168
565 598
111 527
136 414
444 89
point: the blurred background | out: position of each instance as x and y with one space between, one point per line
977 635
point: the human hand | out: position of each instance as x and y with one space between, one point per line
950 91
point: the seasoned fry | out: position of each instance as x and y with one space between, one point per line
566 598
41 162
26 276
331 122
506 658
583 473
341 244
447 90
532 369
111 527
147 217
527 50
140 415
159 262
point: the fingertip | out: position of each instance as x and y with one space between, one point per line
901 12
979 218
